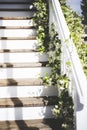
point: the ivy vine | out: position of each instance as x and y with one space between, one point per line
74 22
41 22
63 111
51 44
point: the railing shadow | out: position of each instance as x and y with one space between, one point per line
18 112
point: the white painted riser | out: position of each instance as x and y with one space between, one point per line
17 32
22 57
18 44
16 23
16 13
16 6
27 91
25 113
23 72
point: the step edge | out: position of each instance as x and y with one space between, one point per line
19 38
24 65
31 102
16 18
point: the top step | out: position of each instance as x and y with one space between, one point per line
16 1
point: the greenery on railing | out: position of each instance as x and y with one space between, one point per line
51 44
63 111
74 22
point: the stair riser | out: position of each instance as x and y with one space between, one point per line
17 32
16 6
18 44
16 22
22 57
27 91
16 13
24 72
25 113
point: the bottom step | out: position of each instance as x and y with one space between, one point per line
47 124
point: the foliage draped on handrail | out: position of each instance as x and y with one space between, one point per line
68 46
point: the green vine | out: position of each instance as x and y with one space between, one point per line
41 22
51 44
63 111
74 22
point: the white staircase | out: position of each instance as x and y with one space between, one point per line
22 93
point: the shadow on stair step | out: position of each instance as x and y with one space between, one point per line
21 125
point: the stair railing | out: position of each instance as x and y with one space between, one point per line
78 81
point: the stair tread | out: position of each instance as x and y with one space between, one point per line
15 18
28 101
45 124
23 65
18 38
21 82
17 27
17 50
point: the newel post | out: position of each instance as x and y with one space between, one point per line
80 112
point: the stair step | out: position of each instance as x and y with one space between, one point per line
17 13
17 50
28 102
17 27
24 72
17 9
18 44
26 108
45 124
23 57
23 65
16 18
16 1
26 113
27 91
17 6
21 82
17 32
18 38
14 23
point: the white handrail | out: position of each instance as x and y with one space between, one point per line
69 53
77 69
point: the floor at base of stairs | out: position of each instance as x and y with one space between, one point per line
47 124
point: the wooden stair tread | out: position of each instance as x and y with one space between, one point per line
21 82
28 101
16 18
23 65
17 27
17 50
40 124
18 38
